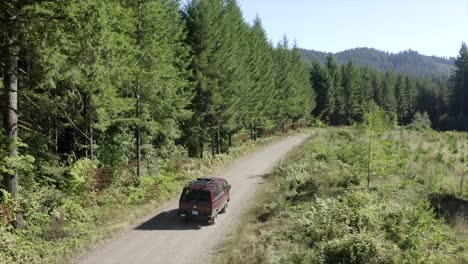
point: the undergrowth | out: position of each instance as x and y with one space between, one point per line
318 208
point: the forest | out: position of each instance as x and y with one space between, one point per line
101 95
408 61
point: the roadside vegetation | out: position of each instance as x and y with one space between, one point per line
332 202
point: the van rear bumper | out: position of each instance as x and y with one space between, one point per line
196 217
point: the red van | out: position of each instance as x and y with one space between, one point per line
204 198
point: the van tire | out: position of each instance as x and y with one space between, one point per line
214 219
225 208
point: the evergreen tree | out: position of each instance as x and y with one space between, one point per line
377 88
336 90
11 11
257 100
202 18
350 85
162 71
388 96
402 98
322 84
459 88
230 61
366 89
304 101
295 97
409 93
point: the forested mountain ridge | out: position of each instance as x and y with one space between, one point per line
409 61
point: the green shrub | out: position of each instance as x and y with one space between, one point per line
116 148
82 177
356 249
8 208
420 122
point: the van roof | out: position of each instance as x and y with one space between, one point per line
203 183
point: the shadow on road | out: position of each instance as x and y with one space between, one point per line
169 220
260 176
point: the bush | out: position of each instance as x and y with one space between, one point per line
82 177
116 149
8 208
356 249
420 122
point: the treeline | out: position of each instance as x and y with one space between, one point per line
121 82
409 61
240 81
343 90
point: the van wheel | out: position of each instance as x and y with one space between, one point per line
214 219
225 208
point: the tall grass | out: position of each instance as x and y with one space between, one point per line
319 210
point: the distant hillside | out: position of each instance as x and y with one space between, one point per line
410 62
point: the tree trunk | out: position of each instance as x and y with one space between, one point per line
89 118
369 163
251 133
91 139
56 125
463 167
213 145
10 120
138 102
138 132
218 141
229 142
201 143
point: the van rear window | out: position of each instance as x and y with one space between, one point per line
198 195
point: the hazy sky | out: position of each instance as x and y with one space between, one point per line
432 27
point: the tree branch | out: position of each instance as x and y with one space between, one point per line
70 120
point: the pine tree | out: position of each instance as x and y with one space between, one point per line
11 12
350 85
295 97
409 94
377 88
257 99
202 19
459 87
163 92
388 96
401 98
322 84
304 101
230 61
366 88
337 90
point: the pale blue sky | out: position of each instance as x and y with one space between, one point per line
432 27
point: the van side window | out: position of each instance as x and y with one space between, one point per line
218 190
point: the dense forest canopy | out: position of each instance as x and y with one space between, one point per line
126 82
409 61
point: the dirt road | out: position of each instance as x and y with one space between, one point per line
167 239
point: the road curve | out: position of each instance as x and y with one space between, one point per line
166 239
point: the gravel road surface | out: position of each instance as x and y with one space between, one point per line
165 238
